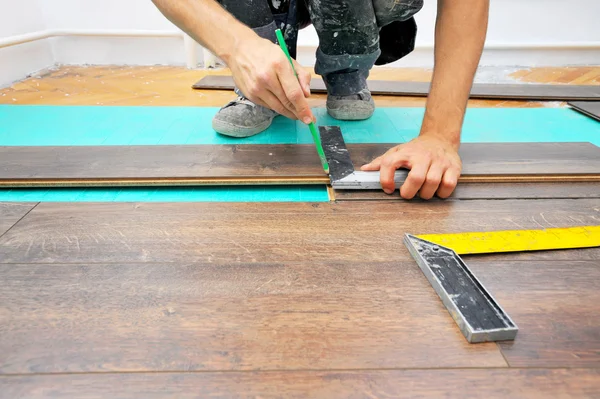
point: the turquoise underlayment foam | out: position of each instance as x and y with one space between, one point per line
33 125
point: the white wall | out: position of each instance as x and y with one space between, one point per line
112 15
18 18
546 28
521 32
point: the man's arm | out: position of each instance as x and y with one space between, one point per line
432 157
259 67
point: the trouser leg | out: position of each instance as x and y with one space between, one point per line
348 43
356 34
398 29
265 16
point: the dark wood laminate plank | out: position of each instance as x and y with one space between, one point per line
206 316
421 89
589 108
556 306
507 158
158 161
272 232
162 163
10 213
490 191
410 384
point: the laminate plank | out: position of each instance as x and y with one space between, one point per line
272 232
11 213
227 164
507 158
547 92
589 108
158 161
242 316
556 306
467 191
491 383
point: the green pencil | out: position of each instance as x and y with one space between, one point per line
311 126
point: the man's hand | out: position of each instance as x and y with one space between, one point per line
433 157
263 73
434 164
260 68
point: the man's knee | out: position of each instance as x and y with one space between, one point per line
388 11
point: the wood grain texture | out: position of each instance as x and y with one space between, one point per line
507 158
556 306
271 232
171 85
135 165
589 108
545 92
243 316
159 161
410 384
490 191
11 212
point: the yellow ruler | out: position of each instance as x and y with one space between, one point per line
518 240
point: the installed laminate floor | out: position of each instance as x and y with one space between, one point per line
297 300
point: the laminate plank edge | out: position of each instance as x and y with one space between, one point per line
523 91
589 108
474 191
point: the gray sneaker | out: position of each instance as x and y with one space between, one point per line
242 118
355 107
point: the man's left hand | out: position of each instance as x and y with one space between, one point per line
434 164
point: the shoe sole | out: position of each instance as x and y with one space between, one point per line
231 130
351 112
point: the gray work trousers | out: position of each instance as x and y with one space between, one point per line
353 35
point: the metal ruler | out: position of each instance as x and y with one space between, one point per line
475 311
518 240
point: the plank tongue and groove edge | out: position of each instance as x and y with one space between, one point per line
421 89
88 166
589 108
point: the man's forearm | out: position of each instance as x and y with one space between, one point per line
207 23
459 37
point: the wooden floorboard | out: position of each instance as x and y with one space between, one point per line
271 232
11 213
507 158
544 92
241 316
410 384
91 165
556 306
288 265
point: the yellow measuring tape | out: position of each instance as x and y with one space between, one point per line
518 240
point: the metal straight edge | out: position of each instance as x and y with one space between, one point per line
359 180
472 335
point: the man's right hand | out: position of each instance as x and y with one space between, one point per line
260 68
264 75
